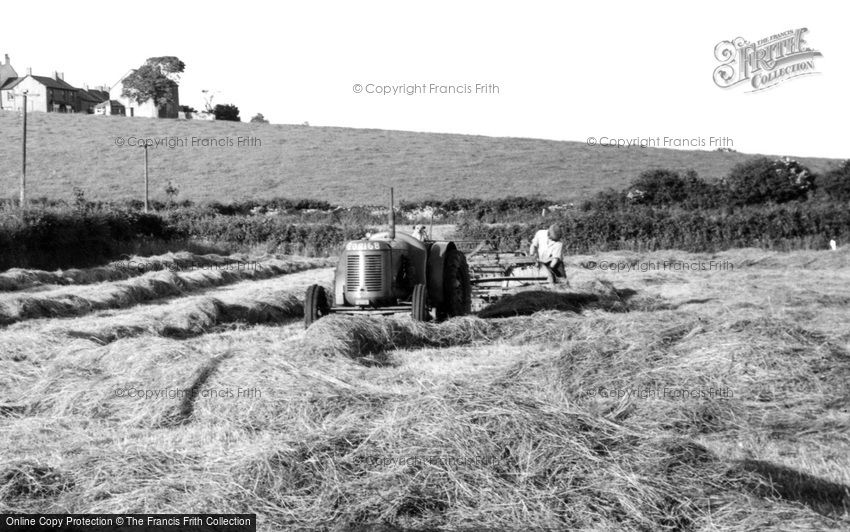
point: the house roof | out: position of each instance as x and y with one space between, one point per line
93 96
53 83
100 95
50 83
112 103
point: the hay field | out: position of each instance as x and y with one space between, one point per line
630 400
340 165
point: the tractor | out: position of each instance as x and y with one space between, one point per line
394 272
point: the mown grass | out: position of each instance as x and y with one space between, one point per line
16 279
345 166
507 422
154 285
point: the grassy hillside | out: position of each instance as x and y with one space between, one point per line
345 166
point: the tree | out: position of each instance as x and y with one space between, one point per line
763 180
259 119
836 182
154 80
227 112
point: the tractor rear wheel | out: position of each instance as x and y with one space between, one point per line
457 290
315 304
420 303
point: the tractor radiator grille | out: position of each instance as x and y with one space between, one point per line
372 273
352 273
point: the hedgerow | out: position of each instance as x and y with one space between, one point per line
277 233
63 238
786 226
58 239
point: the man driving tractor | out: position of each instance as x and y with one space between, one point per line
547 248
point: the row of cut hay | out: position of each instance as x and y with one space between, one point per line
581 296
273 300
200 318
370 338
83 300
202 315
17 279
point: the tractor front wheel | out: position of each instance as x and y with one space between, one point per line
315 304
420 303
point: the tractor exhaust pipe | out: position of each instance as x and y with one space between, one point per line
392 215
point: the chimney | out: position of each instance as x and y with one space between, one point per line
29 71
7 60
86 87
58 75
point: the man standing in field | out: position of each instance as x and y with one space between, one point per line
547 248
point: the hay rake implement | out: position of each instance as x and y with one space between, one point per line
494 273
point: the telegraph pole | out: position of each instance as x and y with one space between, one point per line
24 160
146 176
24 153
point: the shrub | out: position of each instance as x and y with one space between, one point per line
658 187
226 112
665 188
606 200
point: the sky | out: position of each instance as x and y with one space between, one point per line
563 71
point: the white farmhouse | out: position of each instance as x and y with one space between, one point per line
147 109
